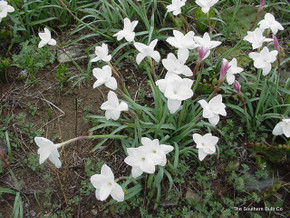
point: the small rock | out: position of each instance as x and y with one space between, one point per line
94 212
76 52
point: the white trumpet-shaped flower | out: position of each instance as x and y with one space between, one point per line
154 147
256 38
46 38
181 41
206 43
213 109
175 6
282 127
142 160
234 69
206 4
102 53
47 149
128 30
177 65
105 185
175 89
147 156
147 51
5 9
206 144
270 22
264 59
112 107
104 76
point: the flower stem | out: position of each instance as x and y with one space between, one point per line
217 88
198 76
153 68
91 137
256 18
195 69
257 82
117 74
209 23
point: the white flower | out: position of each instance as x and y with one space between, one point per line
206 4
282 127
5 9
177 65
270 22
205 144
212 109
234 69
46 38
102 53
147 50
181 41
256 38
142 160
175 89
206 43
154 147
176 6
47 149
264 59
105 185
128 30
104 76
112 107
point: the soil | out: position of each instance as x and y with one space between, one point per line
62 115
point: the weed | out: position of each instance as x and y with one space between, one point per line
31 58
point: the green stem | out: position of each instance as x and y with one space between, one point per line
261 98
198 78
246 112
153 68
209 23
257 82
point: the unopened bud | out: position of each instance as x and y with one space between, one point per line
237 87
276 43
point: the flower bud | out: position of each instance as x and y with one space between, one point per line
276 43
224 68
237 87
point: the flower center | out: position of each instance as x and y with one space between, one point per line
110 184
202 144
174 92
143 158
154 151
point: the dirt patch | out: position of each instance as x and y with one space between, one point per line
61 117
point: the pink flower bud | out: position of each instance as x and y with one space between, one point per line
202 52
261 4
237 87
224 68
276 42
